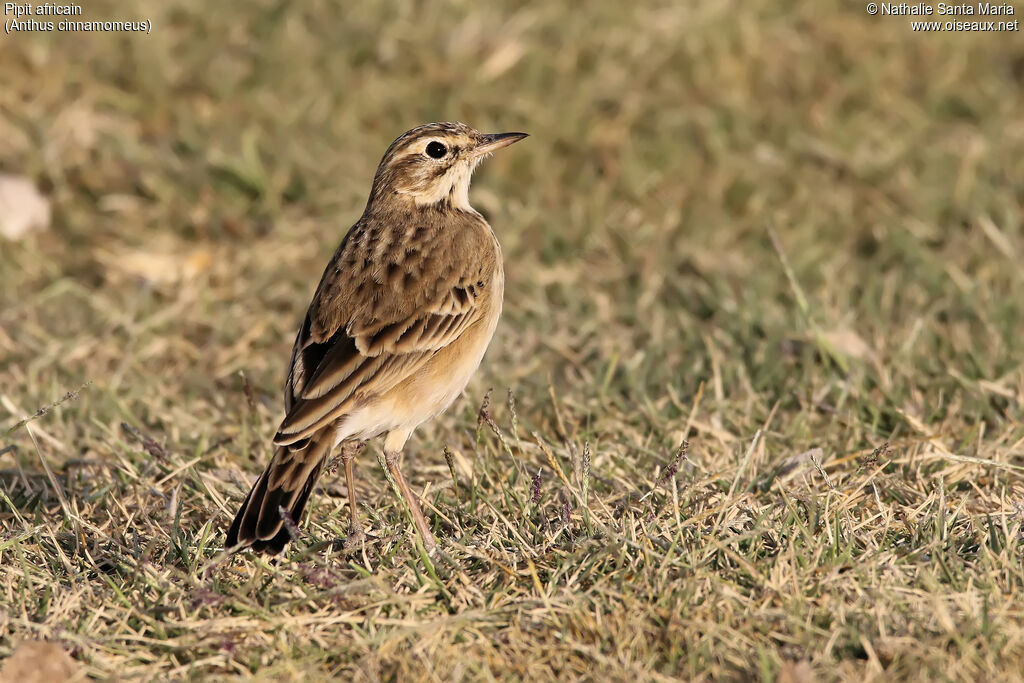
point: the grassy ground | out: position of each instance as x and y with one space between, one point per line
787 233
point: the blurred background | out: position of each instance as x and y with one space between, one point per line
730 216
201 176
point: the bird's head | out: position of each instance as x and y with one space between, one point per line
432 164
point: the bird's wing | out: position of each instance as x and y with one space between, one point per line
377 317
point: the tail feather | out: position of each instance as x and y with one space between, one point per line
285 485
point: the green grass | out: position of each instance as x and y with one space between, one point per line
787 233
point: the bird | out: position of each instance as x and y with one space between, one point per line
398 324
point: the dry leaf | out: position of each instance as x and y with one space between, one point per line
22 207
37 661
848 342
796 672
155 265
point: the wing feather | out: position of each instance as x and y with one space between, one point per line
374 322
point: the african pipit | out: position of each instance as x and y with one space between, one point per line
399 323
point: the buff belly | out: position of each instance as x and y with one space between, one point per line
427 393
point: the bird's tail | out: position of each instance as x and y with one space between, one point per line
279 496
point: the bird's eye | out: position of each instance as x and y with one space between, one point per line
436 150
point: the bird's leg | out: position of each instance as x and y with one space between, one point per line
392 458
355 529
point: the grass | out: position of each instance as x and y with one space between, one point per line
787 234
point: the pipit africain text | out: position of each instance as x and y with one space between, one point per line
399 323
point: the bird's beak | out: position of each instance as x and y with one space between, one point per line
495 141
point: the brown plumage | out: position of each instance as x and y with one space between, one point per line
400 321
